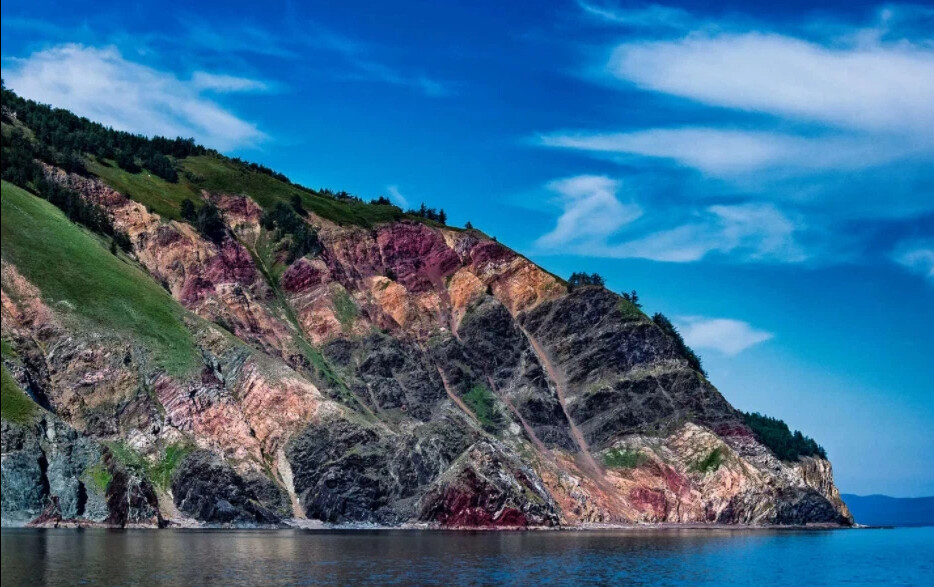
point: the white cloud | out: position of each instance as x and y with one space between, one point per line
396 196
103 86
917 256
590 211
594 222
650 15
877 88
215 82
748 232
725 335
728 153
815 126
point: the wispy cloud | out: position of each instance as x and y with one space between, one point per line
216 82
396 196
877 88
594 222
729 153
102 85
747 232
359 56
916 255
237 43
646 15
813 122
590 212
724 335
234 37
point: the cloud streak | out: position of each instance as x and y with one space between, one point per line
594 222
724 335
396 196
798 134
103 86
730 153
591 212
917 256
223 83
874 88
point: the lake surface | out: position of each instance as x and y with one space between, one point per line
301 557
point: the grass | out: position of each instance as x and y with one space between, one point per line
626 458
629 311
127 456
216 174
6 349
159 472
482 403
344 308
155 193
73 268
220 175
100 477
711 462
15 405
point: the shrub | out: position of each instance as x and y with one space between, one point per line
100 477
578 279
628 310
632 297
626 458
711 462
483 405
345 309
286 222
683 349
296 202
210 223
429 213
160 166
158 472
187 210
776 435
127 162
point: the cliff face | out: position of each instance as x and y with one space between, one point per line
406 373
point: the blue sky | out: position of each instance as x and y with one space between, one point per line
763 173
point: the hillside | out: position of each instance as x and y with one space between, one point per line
189 338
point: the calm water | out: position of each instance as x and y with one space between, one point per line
248 557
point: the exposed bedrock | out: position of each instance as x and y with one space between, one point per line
209 490
623 374
487 486
53 475
350 470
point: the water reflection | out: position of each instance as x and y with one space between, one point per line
289 557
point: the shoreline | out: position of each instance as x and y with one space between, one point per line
305 525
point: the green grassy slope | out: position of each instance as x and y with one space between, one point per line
216 174
155 193
222 175
72 267
15 406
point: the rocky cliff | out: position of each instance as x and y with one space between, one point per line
402 372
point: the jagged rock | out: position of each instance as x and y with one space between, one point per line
487 487
623 374
339 388
52 474
209 490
